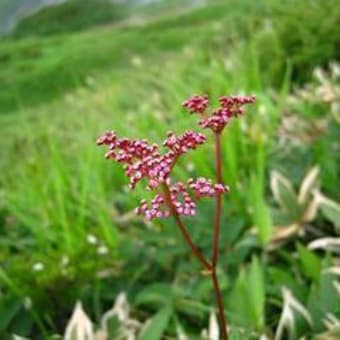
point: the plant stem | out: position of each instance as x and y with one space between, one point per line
221 314
219 179
217 222
207 265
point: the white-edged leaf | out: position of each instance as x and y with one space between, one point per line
332 270
283 233
290 304
18 337
120 313
329 208
180 330
213 330
336 285
121 310
308 185
284 194
311 210
329 243
80 326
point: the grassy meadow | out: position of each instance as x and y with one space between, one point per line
67 222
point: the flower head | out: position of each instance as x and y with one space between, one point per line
144 160
229 107
196 104
159 207
205 188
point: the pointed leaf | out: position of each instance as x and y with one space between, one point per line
308 185
256 292
311 264
285 195
79 326
157 325
262 220
330 209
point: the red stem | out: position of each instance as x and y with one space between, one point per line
207 265
221 315
210 268
219 179
217 222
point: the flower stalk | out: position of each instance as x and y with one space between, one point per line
143 160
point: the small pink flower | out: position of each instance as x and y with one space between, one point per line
230 107
233 101
159 208
205 188
181 144
217 121
196 104
143 160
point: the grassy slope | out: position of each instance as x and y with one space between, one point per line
35 70
40 69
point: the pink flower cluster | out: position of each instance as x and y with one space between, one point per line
180 201
181 144
196 104
229 107
144 160
204 187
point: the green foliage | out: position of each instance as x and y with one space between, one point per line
247 300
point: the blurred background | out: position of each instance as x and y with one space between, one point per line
70 70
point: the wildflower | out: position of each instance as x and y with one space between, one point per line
180 201
229 107
196 104
204 187
181 144
143 160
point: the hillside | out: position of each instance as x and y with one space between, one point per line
38 69
11 11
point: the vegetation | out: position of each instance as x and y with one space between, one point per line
69 17
68 230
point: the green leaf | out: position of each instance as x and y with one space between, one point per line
157 326
247 300
263 221
256 293
261 214
323 299
311 264
10 306
158 294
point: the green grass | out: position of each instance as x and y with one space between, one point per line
64 90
